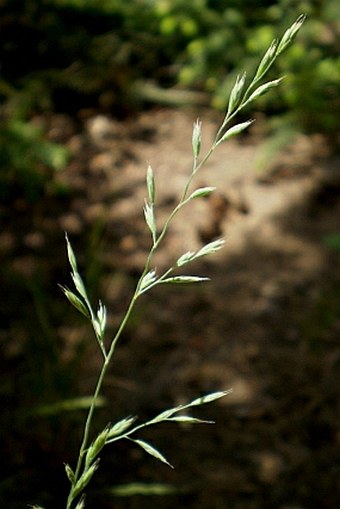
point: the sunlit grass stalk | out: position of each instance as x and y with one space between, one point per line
88 458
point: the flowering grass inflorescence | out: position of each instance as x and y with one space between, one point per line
242 94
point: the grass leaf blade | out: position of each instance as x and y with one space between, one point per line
201 192
187 419
209 398
76 302
236 129
150 182
152 451
184 279
120 427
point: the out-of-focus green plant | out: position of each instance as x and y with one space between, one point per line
228 34
313 77
64 55
67 54
81 53
26 160
333 241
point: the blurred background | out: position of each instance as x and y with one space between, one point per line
92 91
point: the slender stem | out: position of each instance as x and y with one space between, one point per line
100 380
87 431
182 201
122 325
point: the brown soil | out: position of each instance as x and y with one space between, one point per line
266 325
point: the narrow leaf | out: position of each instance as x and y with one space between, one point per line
76 302
84 479
163 416
78 283
235 94
152 451
68 405
69 473
70 254
150 182
96 328
147 280
95 448
290 34
235 130
196 138
209 398
201 192
263 89
184 279
185 258
120 427
210 248
150 219
189 419
102 315
130 489
267 60
99 323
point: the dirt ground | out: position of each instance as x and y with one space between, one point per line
266 325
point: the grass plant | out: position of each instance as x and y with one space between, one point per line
242 94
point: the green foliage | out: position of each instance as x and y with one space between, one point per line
75 52
26 160
312 68
230 34
80 53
